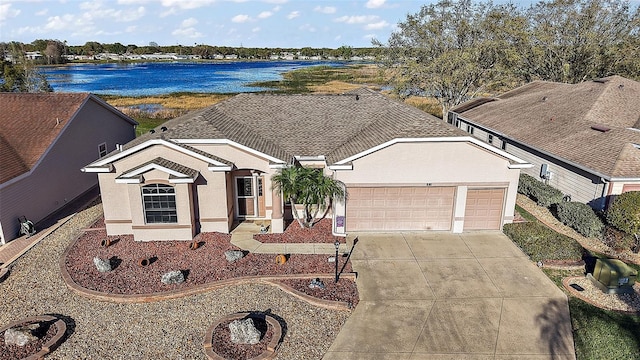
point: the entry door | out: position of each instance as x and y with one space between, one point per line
249 196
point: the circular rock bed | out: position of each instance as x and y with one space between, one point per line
218 344
49 334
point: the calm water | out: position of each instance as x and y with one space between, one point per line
157 78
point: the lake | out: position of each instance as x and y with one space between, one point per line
158 78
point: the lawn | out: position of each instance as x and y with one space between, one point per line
597 333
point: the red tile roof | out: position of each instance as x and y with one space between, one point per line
29 124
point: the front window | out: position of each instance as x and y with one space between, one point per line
159 202
102 150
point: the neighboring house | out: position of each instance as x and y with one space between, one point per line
403 169
44 141
583 139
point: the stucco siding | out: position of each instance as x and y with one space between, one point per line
56 179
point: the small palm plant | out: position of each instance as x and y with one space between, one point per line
309 187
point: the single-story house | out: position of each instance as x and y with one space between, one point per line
583 139
45 139
403 169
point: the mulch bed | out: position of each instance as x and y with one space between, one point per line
345 290
320 233
223 346
201 266
12 352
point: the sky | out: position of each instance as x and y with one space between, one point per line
248 23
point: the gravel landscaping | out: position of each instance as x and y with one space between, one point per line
170 329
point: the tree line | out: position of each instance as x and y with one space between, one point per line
456 50
56 51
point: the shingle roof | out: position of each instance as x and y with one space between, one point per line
559 119
284 126
187 171
29 123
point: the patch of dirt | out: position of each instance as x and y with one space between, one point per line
204 265
320 233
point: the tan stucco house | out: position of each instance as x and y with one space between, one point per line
403 169
583 139
44 140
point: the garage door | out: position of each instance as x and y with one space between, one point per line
399 208
484 209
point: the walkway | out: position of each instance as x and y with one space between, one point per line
452 296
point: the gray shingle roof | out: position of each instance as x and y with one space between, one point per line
558 118
187 171
283 126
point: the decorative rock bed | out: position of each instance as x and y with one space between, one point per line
219 346
49 335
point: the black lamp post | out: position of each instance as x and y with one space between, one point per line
337 245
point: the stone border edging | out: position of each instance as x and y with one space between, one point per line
50 345
566 283
269 353
197 289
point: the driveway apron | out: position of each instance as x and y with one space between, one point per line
451 296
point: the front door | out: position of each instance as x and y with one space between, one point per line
249 196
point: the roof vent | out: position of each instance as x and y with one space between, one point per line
600 128
164 128
152 131
621 86
357 97
544 98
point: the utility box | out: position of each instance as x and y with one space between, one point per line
614 276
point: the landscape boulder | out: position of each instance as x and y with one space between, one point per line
173 277
233 255
244 332
21 335
103 265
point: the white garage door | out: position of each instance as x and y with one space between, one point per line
484 209
399 208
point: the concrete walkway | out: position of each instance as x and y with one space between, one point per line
452 296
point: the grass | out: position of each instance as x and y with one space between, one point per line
602 334
145 124
597 333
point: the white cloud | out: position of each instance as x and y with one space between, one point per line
131 29
6 12
42 12
359 19
241 18
265 14
293 15
186 4
325 9
256 29
188 22
374 4
377 26
190 32
308 28
337 38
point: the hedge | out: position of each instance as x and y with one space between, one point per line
541 193
542 243
624 212
580 217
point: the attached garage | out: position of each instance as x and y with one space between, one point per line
483 210
400 208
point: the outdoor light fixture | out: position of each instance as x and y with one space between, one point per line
337 245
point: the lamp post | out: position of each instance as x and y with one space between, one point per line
337 245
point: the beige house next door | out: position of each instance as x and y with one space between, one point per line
399 208
484 209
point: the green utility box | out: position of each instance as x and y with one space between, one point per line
614 276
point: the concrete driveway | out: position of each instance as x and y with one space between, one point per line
452 296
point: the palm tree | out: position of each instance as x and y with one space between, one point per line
309 187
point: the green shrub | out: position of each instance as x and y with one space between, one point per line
624 212
541 193
542 243
580 217
618 240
